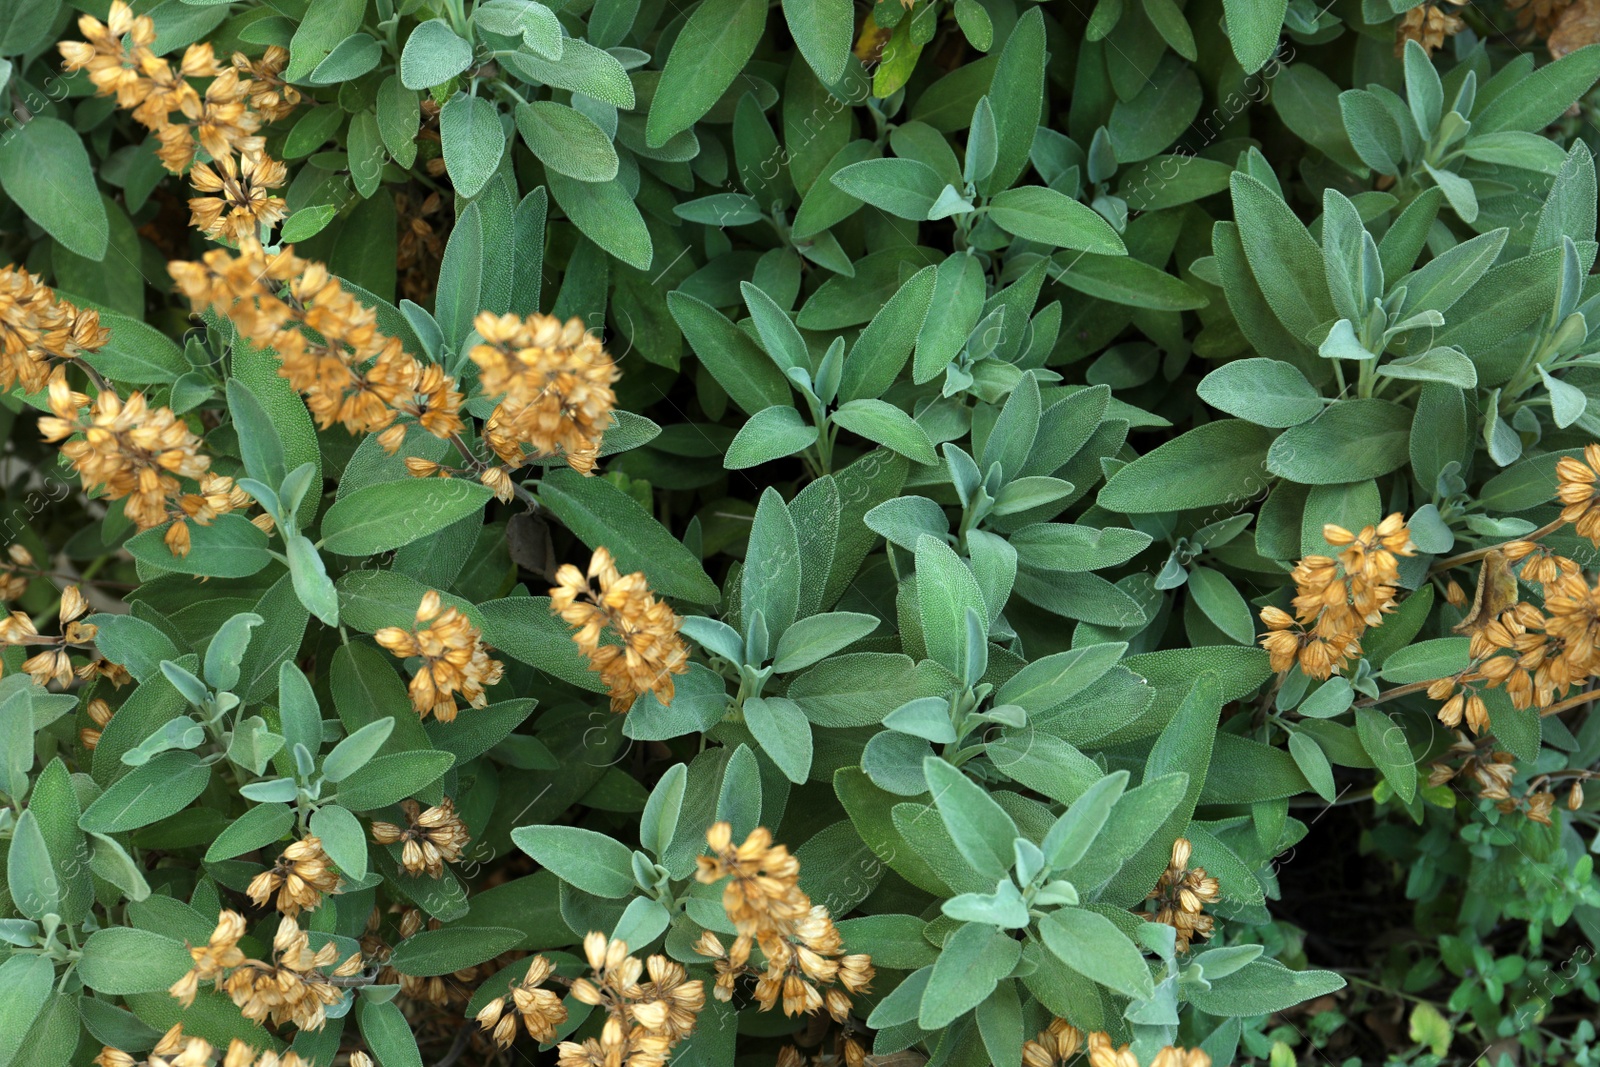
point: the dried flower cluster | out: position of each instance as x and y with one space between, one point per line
554 383
454 659
1181 893
99 713
175 1049
54 662
224 121
1102 1053
138 453
1494 772
644 1019
1060 1042
1338 600
302 874
38 328
293 988
15 570
430 839
651 651
803 952
1575 489
1430 25
541 1010
327 341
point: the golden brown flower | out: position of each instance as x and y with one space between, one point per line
541 1010
113 52
1053 1046
14 572
804 954
269 95
554 384
1430 25
99 713
651 651
454 659
431 839
38 328
127 448
292 988
1337 600
327 341
302 874
236 204
1181 893
1575 489
644 1019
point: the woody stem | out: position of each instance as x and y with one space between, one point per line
1397 691
1478 553
1571 702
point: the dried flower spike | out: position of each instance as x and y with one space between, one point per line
651 651
454 659
431 839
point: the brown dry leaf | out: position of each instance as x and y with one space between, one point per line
1497 591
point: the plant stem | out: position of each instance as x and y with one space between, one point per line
1478 553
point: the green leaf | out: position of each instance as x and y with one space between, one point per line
392 778
1352 440
399 112
388 1034
1262 987
821 30
734 360
461 277
385 516
1216 596
974 959
31 879
884 424
659 823
783 732
24 26
589 861
469 127
1286 262
1127 281
769 434
120 960
980 828
709 52
149 793
437 952
1534 102
1212 464
1267 392
601 514
1313 763
902 187
946 591
1385 741
581 68
46 172
320 31
311 582
135 643
349 60
879 353
342 839
1037 213
607 215
567 141
1050 681
1016 94
818 637
1070 838
433 55
258 827
136 353
1253 29
357 750
25 985
1092 945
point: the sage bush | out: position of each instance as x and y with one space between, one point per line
612 533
